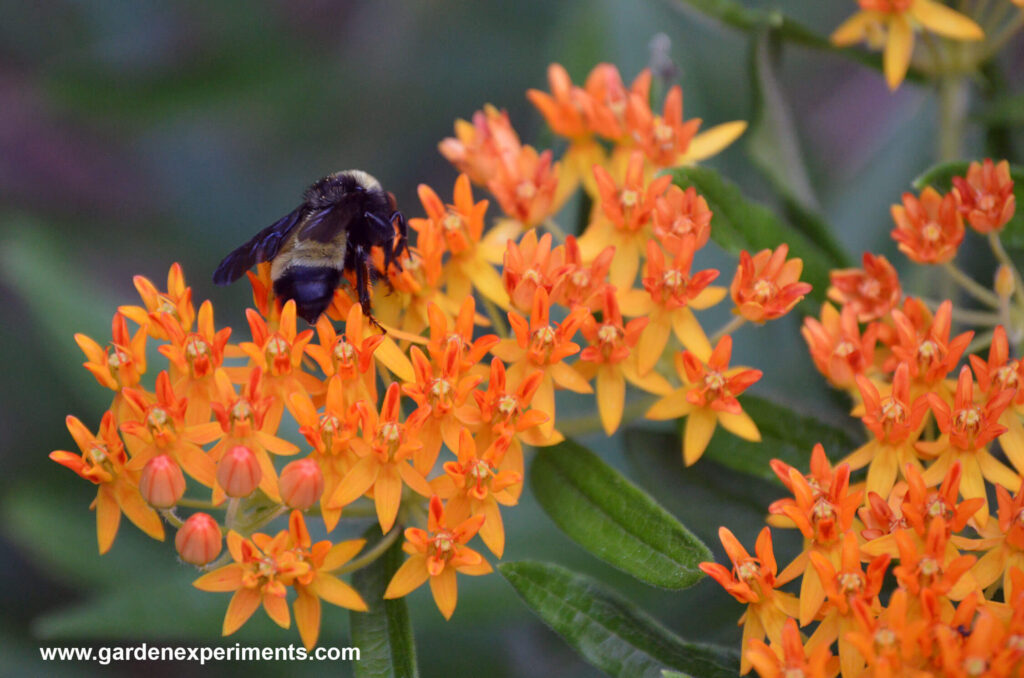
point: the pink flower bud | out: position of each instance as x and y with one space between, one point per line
301 484
198 540
238 472
161 483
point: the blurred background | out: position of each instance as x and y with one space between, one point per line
137 133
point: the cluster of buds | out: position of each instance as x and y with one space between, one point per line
921 512
202 433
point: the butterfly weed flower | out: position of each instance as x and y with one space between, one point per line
986 195
891 24
530 263
929 228
436 555
1001 544
872 291
175 302
752 581
837 346
1002 373
103 462
120 365
193 358
767 285
708 398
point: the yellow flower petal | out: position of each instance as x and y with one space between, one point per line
387 495
1012 441
712 141
653 340
690 333
652 382
855 29
700 425
337 592
972 485
410 576
277 610
307 617
241 607
108 517
446 591
740 425
898 49
567 377
341 553
812 595
357 481
708 297
392 357
492 532
221 580
139 512
671 406
997 472
883 470
989 567
947 22
611 396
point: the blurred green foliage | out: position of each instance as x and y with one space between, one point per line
138 133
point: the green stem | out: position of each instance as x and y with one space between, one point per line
952 116
972 286
169 516
368 558
232 515
730 327
197 503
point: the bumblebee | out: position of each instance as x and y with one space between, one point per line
341 219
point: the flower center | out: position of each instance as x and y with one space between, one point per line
609 334
794 672
851 581
969 419
157 417
975 666
532 275
1006 376
444 543
440 388
580 278
673 280
507 404
664 134
870 288
629 198
845 348
330 424
196 346
480 471
118 358
277 346
344 351
747 570
241 410
823 509
929 567
893 411
764 290
931 232
526 190
928 350
885 638
714 381
937 507
391 431
545 336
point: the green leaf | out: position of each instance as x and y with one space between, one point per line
384 633
742 224
613 519
608 631
774 146
940 177
785 435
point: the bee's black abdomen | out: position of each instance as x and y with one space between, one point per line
312 288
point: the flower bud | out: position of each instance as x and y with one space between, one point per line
1004 282
161 483
198 540
301 484
238 472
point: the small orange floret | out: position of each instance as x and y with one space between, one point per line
929 229
872 291
766 286
986 195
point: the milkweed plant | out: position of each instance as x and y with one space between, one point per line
586 270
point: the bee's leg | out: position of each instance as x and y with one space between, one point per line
403 235
383 234
363 284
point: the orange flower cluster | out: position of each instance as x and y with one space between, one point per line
424 426
921 513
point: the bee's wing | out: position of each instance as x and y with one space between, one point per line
263 247
326 223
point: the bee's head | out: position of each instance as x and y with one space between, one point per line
312 288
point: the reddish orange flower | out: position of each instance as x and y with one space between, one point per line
752 582
672 294
279 354
159 428
542 345
611 357
242 420
479 146
610 97
930 568
386 449
193 358
794 660
822 513
121 364
872 291
986 195
625 220
582 284
925 345
531 264
889 641
460 227
929 229
679 212
263 298
440 392
921 506
565 109
708 398
471 351
476 484
102 462
437 553
352 354
896 421
524 186
1003 544
1001 373
967 430
986 651
839 350
176 302
265 567
766 286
